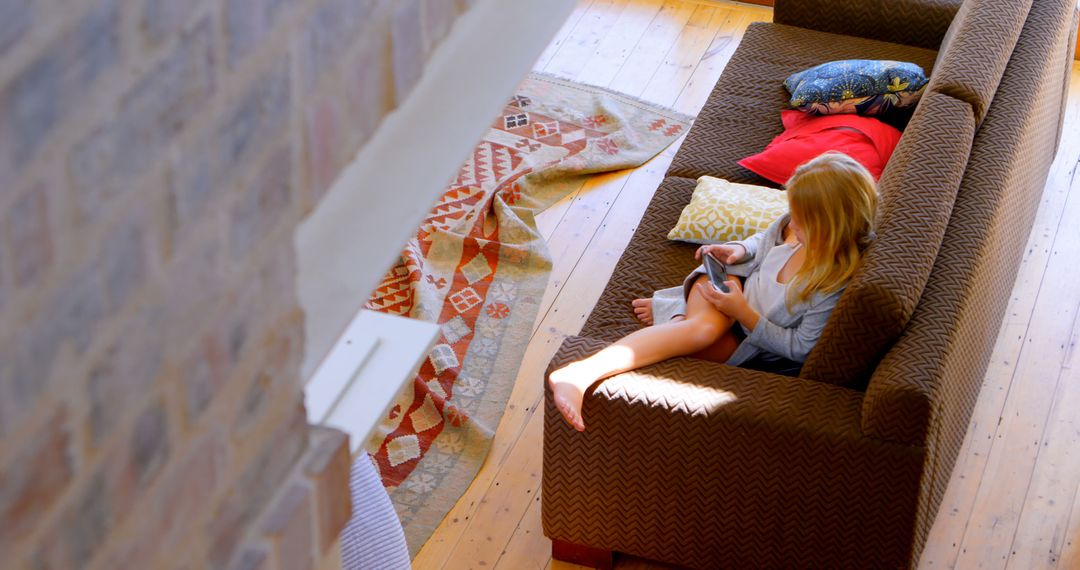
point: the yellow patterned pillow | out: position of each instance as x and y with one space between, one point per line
723 211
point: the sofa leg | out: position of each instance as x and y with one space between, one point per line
582 555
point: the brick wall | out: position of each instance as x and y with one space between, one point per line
156 157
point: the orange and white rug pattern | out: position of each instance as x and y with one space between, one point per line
479 267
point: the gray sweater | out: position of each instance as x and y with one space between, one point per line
779 333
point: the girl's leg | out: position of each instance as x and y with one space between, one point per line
721 350
702 327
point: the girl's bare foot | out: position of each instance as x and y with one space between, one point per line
643 310
569 385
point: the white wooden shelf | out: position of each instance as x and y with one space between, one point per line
365 371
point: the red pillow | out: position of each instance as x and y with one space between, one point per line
867 140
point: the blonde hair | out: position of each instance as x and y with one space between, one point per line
834 198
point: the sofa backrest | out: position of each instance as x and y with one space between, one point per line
919 23
976 49
925 388
918 189
917 192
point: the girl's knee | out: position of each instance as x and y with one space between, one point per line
703 332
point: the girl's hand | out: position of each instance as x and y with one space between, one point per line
728 253
732 304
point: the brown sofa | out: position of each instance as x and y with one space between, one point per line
710 466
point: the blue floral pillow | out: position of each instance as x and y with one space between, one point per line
861 86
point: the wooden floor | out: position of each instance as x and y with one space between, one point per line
1012 502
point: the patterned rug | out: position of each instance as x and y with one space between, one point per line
479 267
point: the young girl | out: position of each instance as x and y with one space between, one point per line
795 272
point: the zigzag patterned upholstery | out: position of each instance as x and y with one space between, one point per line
749 96
976 49
942 357
706 465
919 23
917 191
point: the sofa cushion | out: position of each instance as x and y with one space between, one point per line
976 50
869 141
863 86
918 189
722 211
743 112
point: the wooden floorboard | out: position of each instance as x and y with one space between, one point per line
1014 498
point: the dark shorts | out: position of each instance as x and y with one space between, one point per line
769 362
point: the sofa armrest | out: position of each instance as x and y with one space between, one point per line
727 394
694 462
920 23
899 397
